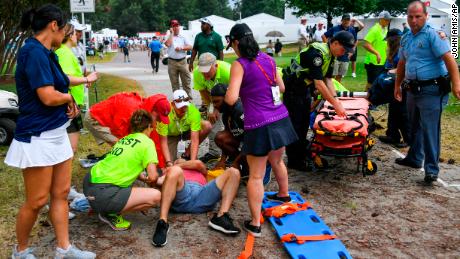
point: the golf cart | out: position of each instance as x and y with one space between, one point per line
9 111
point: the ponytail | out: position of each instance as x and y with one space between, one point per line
39 18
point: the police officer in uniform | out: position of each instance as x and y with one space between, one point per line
426 68
312 68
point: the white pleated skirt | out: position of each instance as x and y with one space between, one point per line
50 148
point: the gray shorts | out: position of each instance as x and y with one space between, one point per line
105 198
340 68
195 198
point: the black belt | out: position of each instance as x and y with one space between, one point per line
177 60
422 83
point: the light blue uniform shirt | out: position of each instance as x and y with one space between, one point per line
422 53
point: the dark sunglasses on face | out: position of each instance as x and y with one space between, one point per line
227 38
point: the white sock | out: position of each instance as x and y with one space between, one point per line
63 251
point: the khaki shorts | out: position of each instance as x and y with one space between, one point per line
100 133
340 68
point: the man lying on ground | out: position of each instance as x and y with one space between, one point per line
184 189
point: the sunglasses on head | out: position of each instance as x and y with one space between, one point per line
186 99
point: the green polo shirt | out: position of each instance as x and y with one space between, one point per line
208 43
376 37
222 77
191 121
70 66
125 161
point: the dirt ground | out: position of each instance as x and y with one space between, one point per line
388 215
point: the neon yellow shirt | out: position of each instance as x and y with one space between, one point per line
222 77
70 66
127 159
190 121
376 37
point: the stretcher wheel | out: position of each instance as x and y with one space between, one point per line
320 163
371 168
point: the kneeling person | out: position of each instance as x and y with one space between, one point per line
185 123
109 185
229 139
184 190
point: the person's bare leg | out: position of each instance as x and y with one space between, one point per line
353 67
228 183
141 199
37 183
255 186
280 171
59 207
173 182
74 137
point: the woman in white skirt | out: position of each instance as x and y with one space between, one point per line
41 147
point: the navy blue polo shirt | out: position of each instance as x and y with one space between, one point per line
36 67
332 31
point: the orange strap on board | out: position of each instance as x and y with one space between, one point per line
285 209
247 252
302 239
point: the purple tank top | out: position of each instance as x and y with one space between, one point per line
256 93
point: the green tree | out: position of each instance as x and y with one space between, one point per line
395 7
209 7
181 10
251 7
11 37
331 8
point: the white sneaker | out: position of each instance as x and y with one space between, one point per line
74 253
353 75
26 254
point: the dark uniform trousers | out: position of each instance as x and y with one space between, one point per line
398 120
297 100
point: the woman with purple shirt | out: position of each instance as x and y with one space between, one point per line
267 127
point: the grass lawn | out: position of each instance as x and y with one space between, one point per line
12 188
108 56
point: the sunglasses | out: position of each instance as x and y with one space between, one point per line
182 100
227 38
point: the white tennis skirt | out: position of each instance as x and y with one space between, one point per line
50 148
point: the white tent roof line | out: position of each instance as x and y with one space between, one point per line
215 19
260 16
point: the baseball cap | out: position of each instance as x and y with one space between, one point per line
346 16
78 26
393 32
206 20
237 32
205 62
163 107
219 90
346 39
174 23
180 98
385 15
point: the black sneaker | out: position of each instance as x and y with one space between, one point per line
275 197
429 179
388 140
406 162
255 231
223 224
160 238
208 157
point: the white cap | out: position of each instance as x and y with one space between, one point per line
180 98
78 26
206 20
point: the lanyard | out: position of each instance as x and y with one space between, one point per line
272 82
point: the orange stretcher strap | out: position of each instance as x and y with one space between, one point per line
247 252
285 209
303 239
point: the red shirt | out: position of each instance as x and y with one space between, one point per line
116 111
